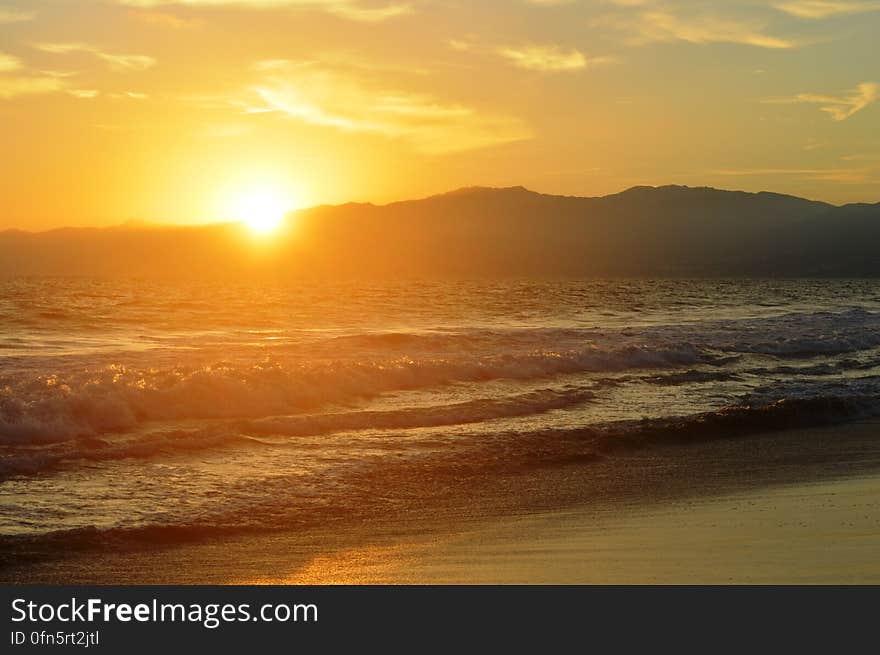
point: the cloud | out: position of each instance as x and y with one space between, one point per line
329 98
862 156
550 58
544 58
841 175
631 3
16 16
839 107
342 60
370 14
16 81
817 9
11 87
350 9
164 19
662 26
86 94
9 63
460 44
116 62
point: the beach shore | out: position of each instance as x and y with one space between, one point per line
798 506
812 533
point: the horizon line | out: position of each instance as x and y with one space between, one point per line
135 223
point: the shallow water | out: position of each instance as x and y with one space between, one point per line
133 405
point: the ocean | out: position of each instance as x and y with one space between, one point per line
145 409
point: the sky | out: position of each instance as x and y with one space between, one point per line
177 110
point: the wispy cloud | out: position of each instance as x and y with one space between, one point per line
350 9
861 156
813 144
547 58
657 25
129 95
20 85
342 60
329 98
25 82
550 58
839 107
817 9
369 14
86 94
9 63
16 80
165 19
117 62
840 175
16 16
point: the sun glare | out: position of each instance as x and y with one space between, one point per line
262 210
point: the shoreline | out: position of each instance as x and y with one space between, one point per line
561 524
825 532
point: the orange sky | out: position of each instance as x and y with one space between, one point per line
174 110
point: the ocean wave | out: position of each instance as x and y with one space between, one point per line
24 461
478 410
807 334
763 411
804 347
693 376
56 408
752 417
792 335
363 489
19 462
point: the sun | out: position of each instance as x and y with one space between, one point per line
262 210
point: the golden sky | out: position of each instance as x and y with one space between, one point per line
172 110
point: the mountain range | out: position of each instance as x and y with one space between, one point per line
494 232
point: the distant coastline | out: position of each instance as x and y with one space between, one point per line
671 231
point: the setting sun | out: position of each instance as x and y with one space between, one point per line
262 210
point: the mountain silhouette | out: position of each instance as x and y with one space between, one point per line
479 231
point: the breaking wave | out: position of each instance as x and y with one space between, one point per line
283 504
53 408
247 433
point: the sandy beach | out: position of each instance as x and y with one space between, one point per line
813 533
784 507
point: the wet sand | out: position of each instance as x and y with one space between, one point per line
800 506
811 533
